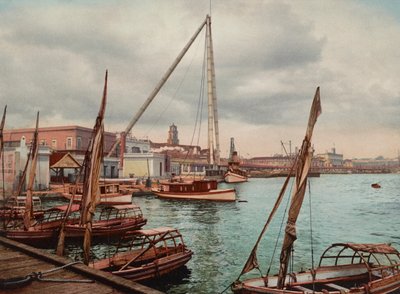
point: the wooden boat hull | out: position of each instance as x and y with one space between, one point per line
231 177
153 270
335 279
103 229
110 199
36 238
213 195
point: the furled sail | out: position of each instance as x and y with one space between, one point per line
92 165
302 169
28 214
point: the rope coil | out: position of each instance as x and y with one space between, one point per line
18 282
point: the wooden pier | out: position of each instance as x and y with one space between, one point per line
20 260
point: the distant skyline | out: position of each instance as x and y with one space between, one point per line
269 58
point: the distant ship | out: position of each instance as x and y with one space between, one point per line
234 174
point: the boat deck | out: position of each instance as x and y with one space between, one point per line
19 260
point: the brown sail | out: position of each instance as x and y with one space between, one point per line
28 214
92 166
303 167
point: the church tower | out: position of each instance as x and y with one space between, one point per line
173 135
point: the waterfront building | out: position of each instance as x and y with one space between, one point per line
331 159
375 163
73 140
139 161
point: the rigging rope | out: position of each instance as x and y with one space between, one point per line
18 282
200 102
280 228
311 236
175 94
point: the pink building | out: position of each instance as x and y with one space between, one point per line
73 139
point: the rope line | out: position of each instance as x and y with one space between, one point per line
18 282
311 236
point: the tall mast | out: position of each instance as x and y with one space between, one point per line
210 92
214 103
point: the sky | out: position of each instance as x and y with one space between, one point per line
270 56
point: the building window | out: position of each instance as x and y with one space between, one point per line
43 142
69 143
79 143
135 149
105 171
54 143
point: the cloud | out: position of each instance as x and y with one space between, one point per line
269 58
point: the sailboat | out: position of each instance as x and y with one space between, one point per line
14 206
31 231
343 267
110 193
201 189
234 174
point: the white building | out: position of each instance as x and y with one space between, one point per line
332 159
14 164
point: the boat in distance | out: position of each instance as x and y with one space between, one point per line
110 194
235 176
147 254
194 190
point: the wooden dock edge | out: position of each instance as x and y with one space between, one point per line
105 278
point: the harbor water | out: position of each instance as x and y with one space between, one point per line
344 208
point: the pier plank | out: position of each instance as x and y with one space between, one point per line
19 260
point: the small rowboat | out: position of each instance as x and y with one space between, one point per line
147 254
113 221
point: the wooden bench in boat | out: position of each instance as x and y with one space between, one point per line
304 289
337 287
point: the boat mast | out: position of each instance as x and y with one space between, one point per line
210 95
302 169
28 214
213 130
1 131
92 166
214 97
1 151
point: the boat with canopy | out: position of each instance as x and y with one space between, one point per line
146 254
343 267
